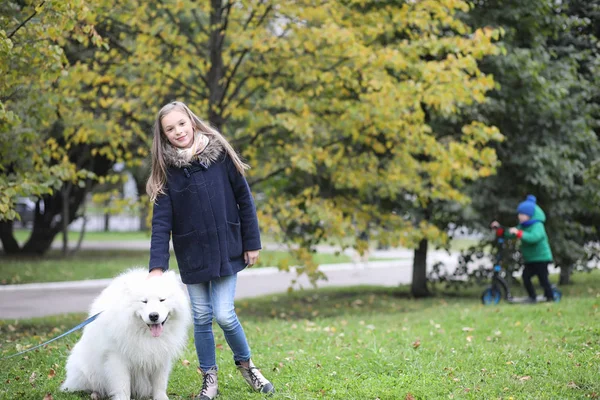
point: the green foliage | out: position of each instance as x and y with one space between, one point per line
108 263
32 61
351 129
546 106
328 102
356 116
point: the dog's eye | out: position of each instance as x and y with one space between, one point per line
162 300
145 301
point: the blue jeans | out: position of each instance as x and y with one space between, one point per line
215 298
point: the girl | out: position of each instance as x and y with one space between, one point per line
203 201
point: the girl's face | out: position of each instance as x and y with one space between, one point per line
523 218
178 128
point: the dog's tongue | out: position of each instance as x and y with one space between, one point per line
156 329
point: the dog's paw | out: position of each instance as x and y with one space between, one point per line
95 396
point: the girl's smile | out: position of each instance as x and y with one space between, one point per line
178 128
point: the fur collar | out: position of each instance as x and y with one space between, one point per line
208 156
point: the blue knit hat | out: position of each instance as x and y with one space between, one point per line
528 206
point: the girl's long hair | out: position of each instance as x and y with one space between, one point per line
158 171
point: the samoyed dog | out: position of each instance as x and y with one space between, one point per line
128 351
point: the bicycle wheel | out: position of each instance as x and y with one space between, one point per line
557 294
491 296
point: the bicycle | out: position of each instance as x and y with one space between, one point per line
500 288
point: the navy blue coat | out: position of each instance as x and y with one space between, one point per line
210 213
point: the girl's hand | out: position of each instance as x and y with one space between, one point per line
495 225
155 272
513 231
251 257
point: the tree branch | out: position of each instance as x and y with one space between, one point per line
186 32
230 79
246 97
225 21
199 22
22 24
128 52
264 178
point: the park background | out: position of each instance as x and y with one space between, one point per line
370 126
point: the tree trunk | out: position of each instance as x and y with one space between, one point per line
217 68
81 235
41 239
9 243
46 225
419 280
565 275
65 218
144 210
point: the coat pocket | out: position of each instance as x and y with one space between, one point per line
189 251
234 240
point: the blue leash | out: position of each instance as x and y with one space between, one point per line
81 325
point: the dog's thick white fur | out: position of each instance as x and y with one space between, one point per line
128 351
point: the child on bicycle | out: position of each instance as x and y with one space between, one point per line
535 247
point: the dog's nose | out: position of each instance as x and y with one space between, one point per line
153 316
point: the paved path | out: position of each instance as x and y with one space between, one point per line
37 300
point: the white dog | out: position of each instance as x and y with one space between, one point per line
128 351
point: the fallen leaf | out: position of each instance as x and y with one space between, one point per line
52 373
416 344
48 396
524 378
469 339
572 385
185 363
32 378
409 396
467 329
219 346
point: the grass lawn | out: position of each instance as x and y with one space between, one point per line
98 264
369 343
22 234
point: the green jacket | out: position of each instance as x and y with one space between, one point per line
534 240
